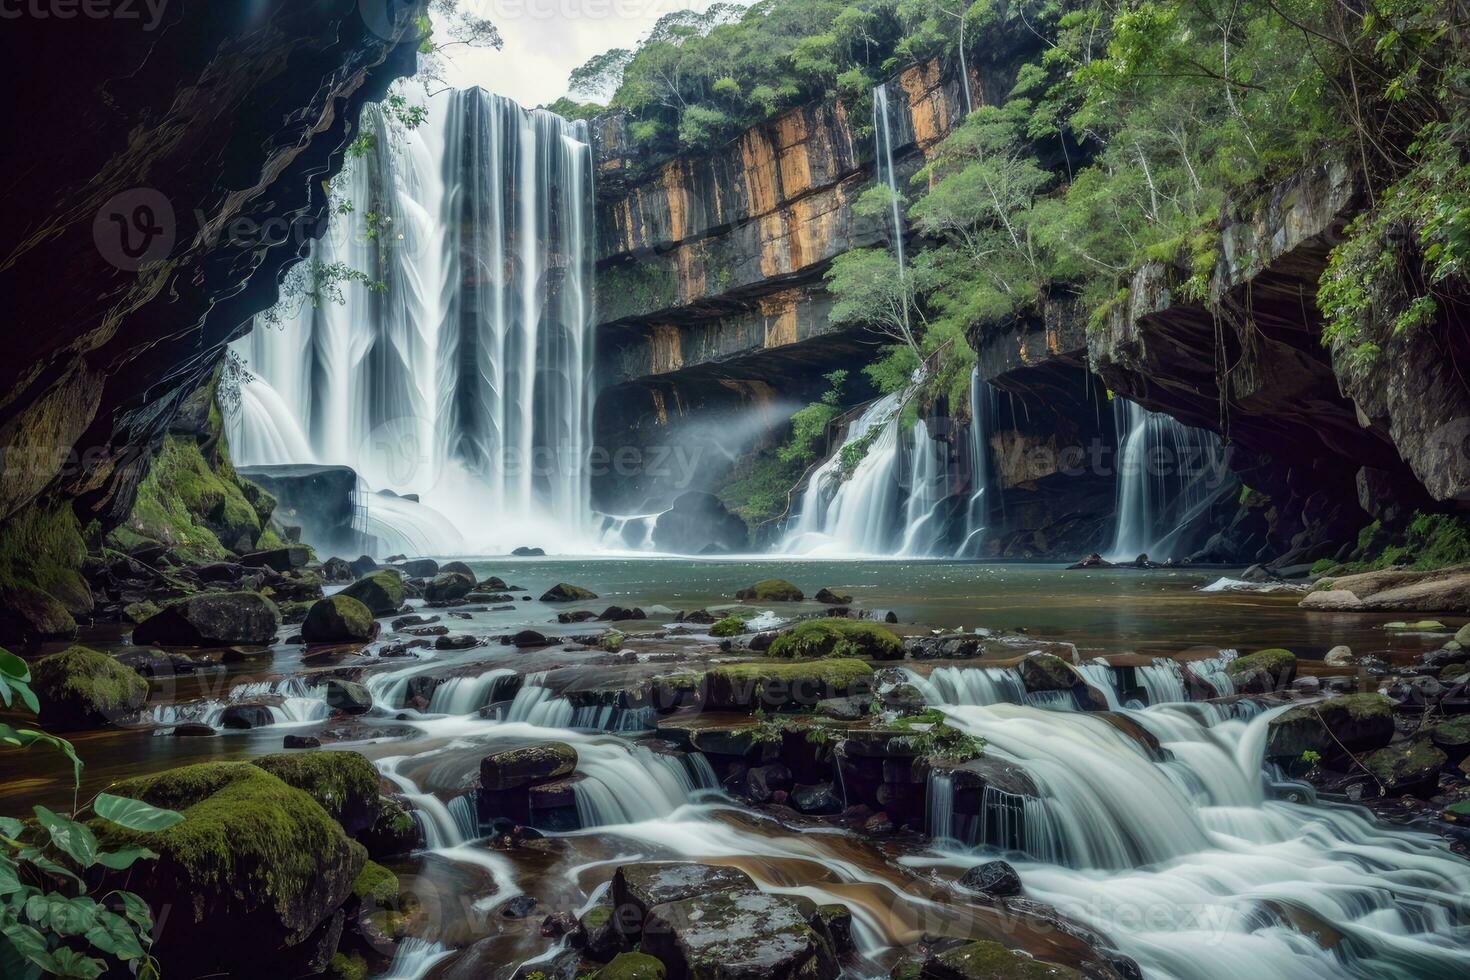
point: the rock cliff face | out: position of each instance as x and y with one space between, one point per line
169 172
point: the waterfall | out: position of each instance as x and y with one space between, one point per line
883 164
290 701
1168 473
464 374
985 499
629 783
970 685
463 695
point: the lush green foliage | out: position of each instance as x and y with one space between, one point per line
1429 541
53 916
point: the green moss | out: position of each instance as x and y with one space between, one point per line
41 549
596 917
1429 541
984 960
380 591
245 833
771 590
632 966
729 626
376 886
834 671
1274 661
348 967
336 780
337 618
1405 764
837 638
81 686
193 504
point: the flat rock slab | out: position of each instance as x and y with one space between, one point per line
1444 590
740 933
636 888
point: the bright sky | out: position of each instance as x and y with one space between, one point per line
546 39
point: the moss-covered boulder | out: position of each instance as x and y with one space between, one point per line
394 833
1355 722
778 686
338 619
987 960
1047 672
1406 769
831 597
344 783
212 619
447 586
770 590
1263 671
528 764
380 591
632 966
837 638
81 688
1452 737
42 588
257 871
564 592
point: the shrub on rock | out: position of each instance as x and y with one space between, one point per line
380 591
830 598
771 590
729 626
257 871
81 688
212 619
338 619
837 638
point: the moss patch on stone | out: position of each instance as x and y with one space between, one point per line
380 591
770 590
729 626
344 783
1264 670
986 960
375 886
337 619
193 503
42 548
80 687
837 638
632 966
1408 767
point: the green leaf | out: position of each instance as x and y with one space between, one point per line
114 935
136 910
26 737
11 827
14 667
72 916
30 944
70 963
33 856
134 814
123 859
76 840
9 879
14 966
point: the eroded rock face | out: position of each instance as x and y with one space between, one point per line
698 524
143 248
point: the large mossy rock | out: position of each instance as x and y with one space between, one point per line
256 873
1047 672
1452 737
1406 769
344 783
564 592
212 619
338 619
776 686
81 688
837 638
1355 723
380 591
528 764
42 588
770 590
1263 671
447 586
987 960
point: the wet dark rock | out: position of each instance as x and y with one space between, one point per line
280 559
490 597
301 742
160 663
394 833
890 617
576 616
418 568
879 823
1444 657
447 586
987 960
954 646
530 638
701 617
403 622
192 729
339 619
517 907
834 924
763 782
563 592
815 799
638 888
348 696
604 939
457 568
212 619
903 699
514 768
560 924
1355 723
994 878
524 552
1045 672
338 570
1409 768
615 614
1262 672
362 565
843 709
698 523
393 650
439 630
462 641
493 584
830 598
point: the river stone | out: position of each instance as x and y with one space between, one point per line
525 552
637 888
1262 672
447 586
1358 722
604 939
256 873
29 616
1045 672
459 641
830 598
563 592
212 619
82 688
1442 590
528 764
1339 656
764 782
338 619
843 709
380 591
995 878
349 696
338 570
418 567
457 568
246 715
986 960
770 590
1406 769
279 559
345 784
1452 737
527 639
738 933
815 799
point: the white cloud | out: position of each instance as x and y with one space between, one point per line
546 39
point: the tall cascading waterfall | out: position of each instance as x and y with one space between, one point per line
1167 475
985 504
463 374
